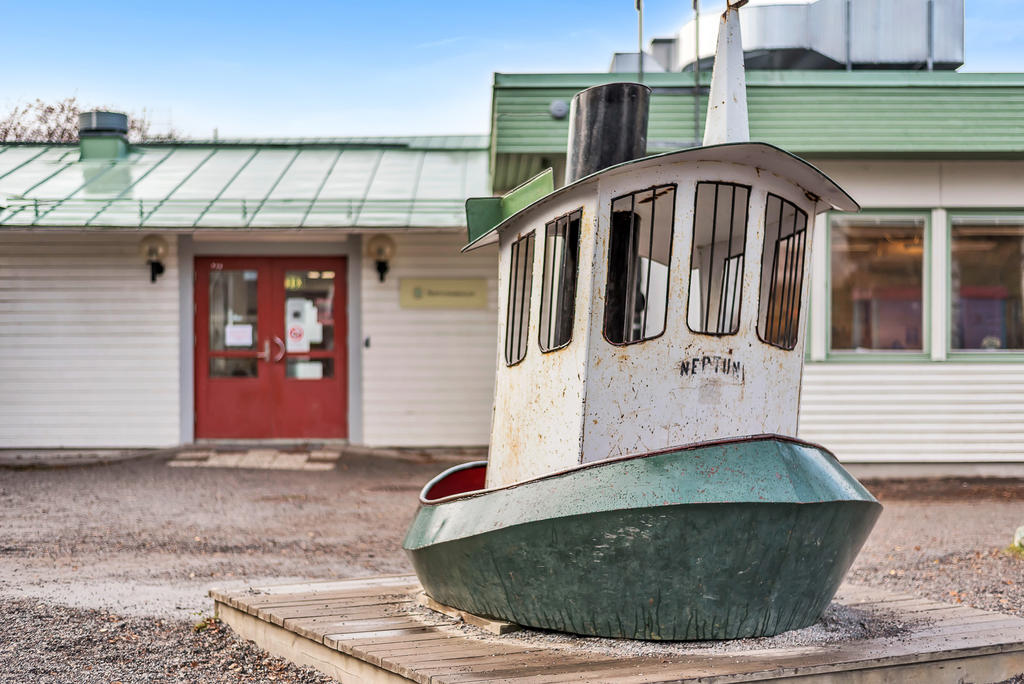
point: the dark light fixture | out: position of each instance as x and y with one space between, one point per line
381 248
154 250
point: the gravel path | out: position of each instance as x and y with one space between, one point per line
108 566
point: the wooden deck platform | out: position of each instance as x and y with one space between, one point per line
375 630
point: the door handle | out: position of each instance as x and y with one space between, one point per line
280 349
265 354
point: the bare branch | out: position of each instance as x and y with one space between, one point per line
57 122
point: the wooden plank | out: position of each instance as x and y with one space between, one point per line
426 633
350 642
378 653
266 600
321 629
252 607
355 583
435 651
516 669
321 611
489 625
279 615
421 666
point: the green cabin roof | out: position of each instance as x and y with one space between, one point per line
810 113
415 182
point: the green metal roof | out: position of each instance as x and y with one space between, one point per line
810 113
285 183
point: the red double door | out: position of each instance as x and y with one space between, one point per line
270 353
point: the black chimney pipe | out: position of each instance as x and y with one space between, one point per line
607 126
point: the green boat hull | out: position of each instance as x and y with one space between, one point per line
718 541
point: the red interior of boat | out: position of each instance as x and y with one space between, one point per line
458 482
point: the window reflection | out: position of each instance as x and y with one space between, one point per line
877 276
300 368
309 310
233 309
987 268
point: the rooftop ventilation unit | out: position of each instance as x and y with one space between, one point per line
832 34
103 135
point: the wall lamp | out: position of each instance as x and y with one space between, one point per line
154 249
381 248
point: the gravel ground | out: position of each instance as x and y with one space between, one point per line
108 566
947 540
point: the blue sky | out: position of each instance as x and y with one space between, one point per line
321 68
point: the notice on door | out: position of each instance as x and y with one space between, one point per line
442 293
238 335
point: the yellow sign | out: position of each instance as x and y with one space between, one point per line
442 293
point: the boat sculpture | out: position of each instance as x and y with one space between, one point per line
643 478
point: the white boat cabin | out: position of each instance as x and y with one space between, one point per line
657 303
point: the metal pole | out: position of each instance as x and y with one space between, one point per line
849 29
640 39
696 72
931 35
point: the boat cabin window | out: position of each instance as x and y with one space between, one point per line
520 282
716 260
640 245
558 287
782 272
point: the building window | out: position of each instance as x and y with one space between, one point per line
877 274
640 245
520 282
558 288
716 260
783 258
987 267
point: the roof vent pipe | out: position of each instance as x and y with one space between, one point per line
103 135
607 126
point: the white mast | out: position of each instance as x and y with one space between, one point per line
727 101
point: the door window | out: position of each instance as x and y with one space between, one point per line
308 323
234 309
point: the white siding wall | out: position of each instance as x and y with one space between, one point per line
920 411
428 374
90 346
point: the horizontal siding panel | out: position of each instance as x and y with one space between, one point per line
950 411
799 111
91 346
428 374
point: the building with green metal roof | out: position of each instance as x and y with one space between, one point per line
266 317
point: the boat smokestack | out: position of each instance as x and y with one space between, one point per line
607 126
